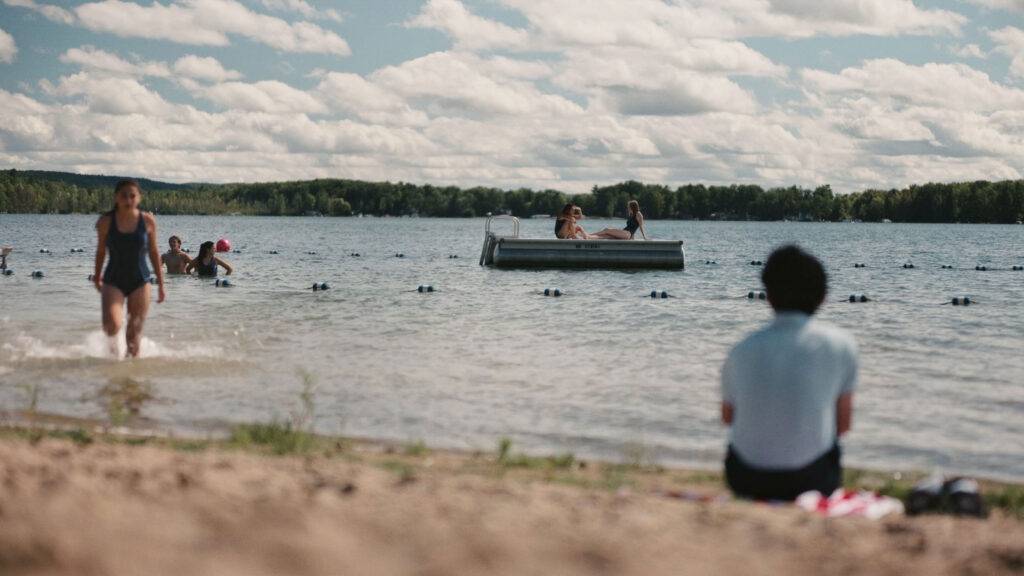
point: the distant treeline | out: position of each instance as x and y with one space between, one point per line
981 201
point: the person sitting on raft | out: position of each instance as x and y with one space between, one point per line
787 389
634 222
206 262
175 260
565 225
577 215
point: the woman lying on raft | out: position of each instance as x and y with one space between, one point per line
567 228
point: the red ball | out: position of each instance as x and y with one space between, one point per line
223 245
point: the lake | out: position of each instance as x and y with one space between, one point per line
604 371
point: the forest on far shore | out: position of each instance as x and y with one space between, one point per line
38 192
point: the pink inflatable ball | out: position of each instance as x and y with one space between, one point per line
223 245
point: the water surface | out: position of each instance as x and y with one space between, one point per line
599 372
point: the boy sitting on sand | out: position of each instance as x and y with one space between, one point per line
787 389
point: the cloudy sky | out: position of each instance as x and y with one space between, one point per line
541 93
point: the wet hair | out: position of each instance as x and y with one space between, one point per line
206 248
173 238
634 207
124 183
795 280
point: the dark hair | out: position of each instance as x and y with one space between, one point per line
567 209
124 183
204 249
795 280
173 238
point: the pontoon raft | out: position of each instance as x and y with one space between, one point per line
515 252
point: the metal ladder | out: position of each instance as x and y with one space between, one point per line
491 239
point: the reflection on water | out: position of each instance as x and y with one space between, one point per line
602 371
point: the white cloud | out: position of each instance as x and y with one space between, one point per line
304 8
207 22
453 84
204 68
269 96
968 51
470 32
51 12
1012 5
1010 41
8 49
91 58
112 95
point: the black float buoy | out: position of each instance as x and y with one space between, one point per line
957 301
710 262
223 283
858 298
859 265
354 254
44 250
311 253
273 252
1018 268
981 268
424 288
452 256
908 266
399 255
236 251
762 296
659 294
38 274
756 263
552 292
8 272
321 286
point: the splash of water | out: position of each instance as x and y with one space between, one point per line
97 345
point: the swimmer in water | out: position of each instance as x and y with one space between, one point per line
129 235
4 251
175 260
205 264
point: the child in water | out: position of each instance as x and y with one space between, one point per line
129 236
175 260
206 262
4 251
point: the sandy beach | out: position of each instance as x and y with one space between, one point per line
84 504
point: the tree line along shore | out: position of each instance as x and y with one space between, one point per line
37 192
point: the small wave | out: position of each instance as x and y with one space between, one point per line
98 345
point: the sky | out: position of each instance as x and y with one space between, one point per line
562 94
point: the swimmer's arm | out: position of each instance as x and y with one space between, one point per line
154 254
227 267
102 228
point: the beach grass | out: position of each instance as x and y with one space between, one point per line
411 460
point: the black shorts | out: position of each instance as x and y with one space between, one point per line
824 475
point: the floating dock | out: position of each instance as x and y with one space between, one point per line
515 252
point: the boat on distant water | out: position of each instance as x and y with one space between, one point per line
886 221
514 252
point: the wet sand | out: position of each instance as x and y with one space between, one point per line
99 507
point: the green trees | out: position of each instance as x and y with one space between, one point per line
980 201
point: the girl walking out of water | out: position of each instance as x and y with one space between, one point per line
129 235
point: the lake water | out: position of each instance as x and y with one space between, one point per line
603 371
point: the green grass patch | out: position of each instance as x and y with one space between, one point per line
417 448
278 438
508 459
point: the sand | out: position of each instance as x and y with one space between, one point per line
112 508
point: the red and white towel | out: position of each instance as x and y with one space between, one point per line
849 503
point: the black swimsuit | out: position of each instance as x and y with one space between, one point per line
206 270
632 224
126 268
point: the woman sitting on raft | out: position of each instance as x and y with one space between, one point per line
205 264
634 222
565 224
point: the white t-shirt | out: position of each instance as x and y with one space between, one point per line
783 382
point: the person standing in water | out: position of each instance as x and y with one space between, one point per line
175 260
4 251
634 223
206 262
129 235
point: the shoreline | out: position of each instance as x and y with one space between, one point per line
273 500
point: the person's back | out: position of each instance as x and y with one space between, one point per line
787 389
